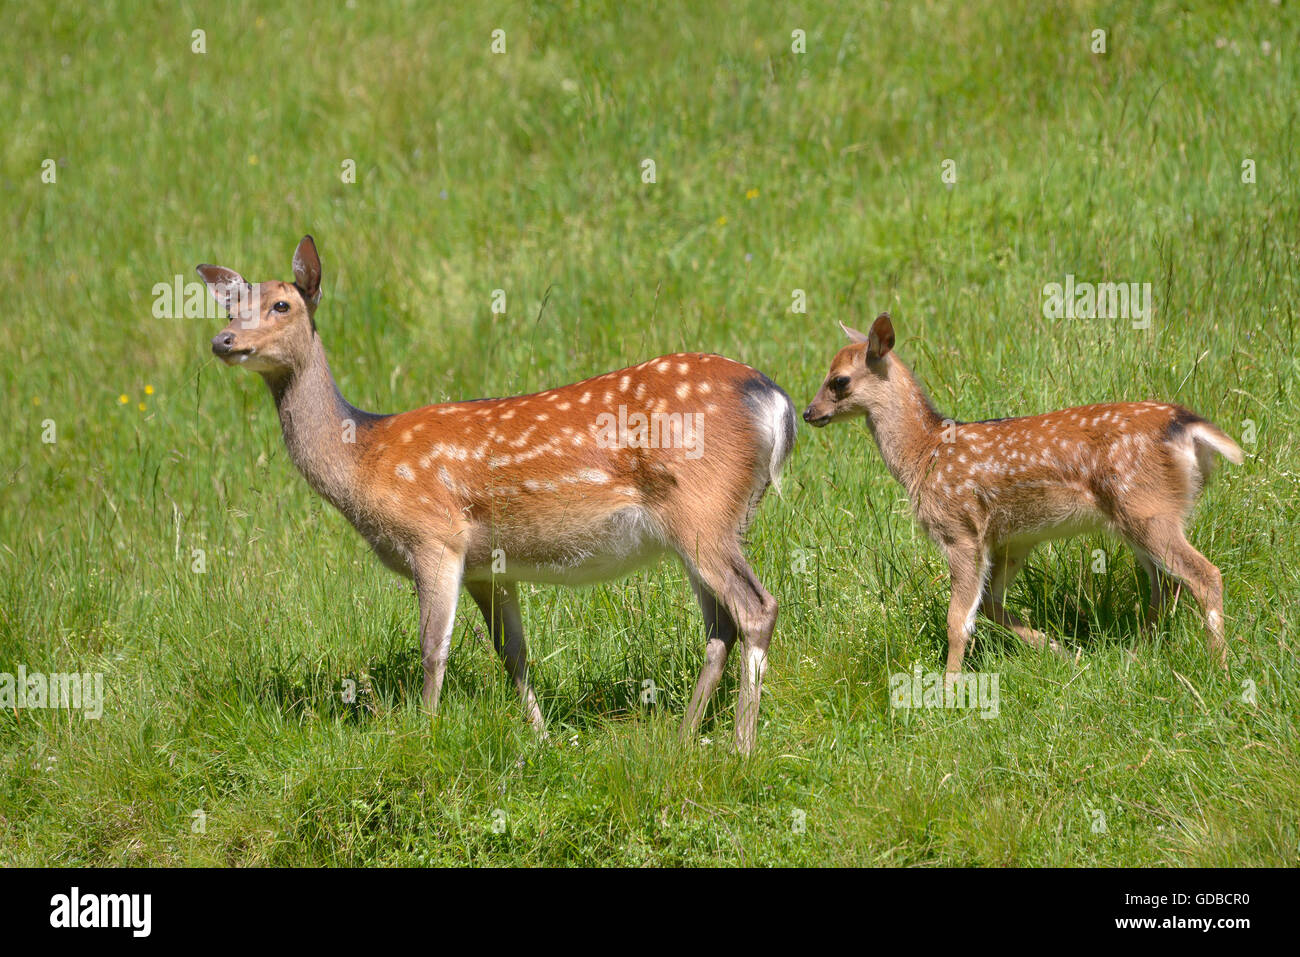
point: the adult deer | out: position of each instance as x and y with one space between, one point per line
988 492
576 484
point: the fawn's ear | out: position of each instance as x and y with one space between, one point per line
226 285
881 339
853 334
306 269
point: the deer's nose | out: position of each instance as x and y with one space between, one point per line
223 342
813 418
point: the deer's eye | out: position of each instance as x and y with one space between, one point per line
840 385
281 306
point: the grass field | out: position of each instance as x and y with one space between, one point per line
224 737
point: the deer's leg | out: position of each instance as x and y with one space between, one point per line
968 564
1164 541
499 603
437 584
1006 565
1162 590
719 636
753 612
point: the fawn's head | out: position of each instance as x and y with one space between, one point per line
271 325
859 378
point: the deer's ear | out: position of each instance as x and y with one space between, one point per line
225 284
881 339
853 334
306 269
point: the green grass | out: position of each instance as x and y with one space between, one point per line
522 172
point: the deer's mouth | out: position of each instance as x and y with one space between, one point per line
234 356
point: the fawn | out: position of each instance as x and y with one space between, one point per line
575 484
988 492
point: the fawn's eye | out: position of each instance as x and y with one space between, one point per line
281 306
840 385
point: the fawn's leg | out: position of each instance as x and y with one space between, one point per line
727 575
437 584
1163 540
499 602
1163 588
719 636
968 564
1006 566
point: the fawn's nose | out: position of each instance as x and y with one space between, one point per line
222 343
812 418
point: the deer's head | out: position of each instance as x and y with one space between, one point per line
271 323
858 382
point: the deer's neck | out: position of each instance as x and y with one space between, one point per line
321 429
906 427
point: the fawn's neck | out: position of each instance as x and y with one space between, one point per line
321 429
906 427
